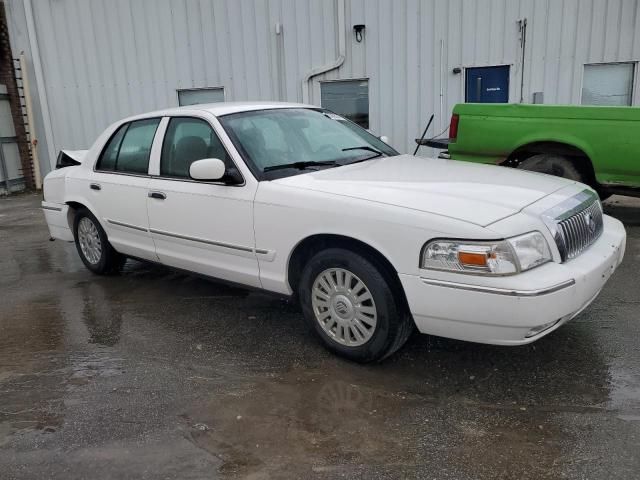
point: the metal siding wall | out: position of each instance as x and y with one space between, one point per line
106 60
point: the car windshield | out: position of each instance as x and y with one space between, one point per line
288 141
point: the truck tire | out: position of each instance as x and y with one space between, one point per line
351 305
553 165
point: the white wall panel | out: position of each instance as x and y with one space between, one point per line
103 60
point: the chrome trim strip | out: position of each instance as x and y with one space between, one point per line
189 180
121 224
209 242
499 291
55 209
572 205
125 174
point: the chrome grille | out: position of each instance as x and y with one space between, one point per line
575 223
581 230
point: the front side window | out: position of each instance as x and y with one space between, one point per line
608 84
292 138
187 140
129 148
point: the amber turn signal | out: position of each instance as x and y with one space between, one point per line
473 259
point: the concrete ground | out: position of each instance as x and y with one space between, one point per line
157 374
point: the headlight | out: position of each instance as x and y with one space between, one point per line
531 249
504 257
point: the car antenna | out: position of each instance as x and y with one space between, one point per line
419 142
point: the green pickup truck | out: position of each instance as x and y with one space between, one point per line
599 146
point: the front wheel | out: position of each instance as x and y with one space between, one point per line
92 244
352 306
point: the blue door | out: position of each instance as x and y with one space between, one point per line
487 84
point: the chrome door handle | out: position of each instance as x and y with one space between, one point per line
95 186
158 195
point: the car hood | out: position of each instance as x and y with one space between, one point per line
475 193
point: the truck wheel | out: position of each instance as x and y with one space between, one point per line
351 306
92 244
553 165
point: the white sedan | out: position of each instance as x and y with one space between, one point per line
296 200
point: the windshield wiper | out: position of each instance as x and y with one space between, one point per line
298 165
377 153
363 147
303 165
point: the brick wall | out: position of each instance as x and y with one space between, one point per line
7 77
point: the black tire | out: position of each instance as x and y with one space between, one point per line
553 165
109 260
603 194
394 323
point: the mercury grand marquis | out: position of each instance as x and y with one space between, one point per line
299 201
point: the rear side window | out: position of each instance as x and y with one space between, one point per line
187 140
129 149
110 153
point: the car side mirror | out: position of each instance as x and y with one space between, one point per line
384 138
209 169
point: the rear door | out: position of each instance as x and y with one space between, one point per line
118 188
205 227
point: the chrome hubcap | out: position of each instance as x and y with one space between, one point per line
344 307
89 240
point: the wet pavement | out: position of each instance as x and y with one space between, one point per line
157 374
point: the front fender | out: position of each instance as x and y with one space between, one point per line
284 217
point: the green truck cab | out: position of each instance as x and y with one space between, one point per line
599 146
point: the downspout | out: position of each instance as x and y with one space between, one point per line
441 83
280 59
342 46
523 44
37 69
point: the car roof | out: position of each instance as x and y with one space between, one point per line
219 109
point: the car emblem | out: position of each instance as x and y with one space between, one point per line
341 307
590 222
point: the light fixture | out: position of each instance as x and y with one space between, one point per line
359 31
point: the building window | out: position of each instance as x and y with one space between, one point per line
195 96
608 84
349 98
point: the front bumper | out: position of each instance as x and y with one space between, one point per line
503 310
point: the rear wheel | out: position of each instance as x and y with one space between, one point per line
553 165
352 307
92 244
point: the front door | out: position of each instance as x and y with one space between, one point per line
487 84
206 227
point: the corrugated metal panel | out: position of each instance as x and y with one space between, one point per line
106 60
